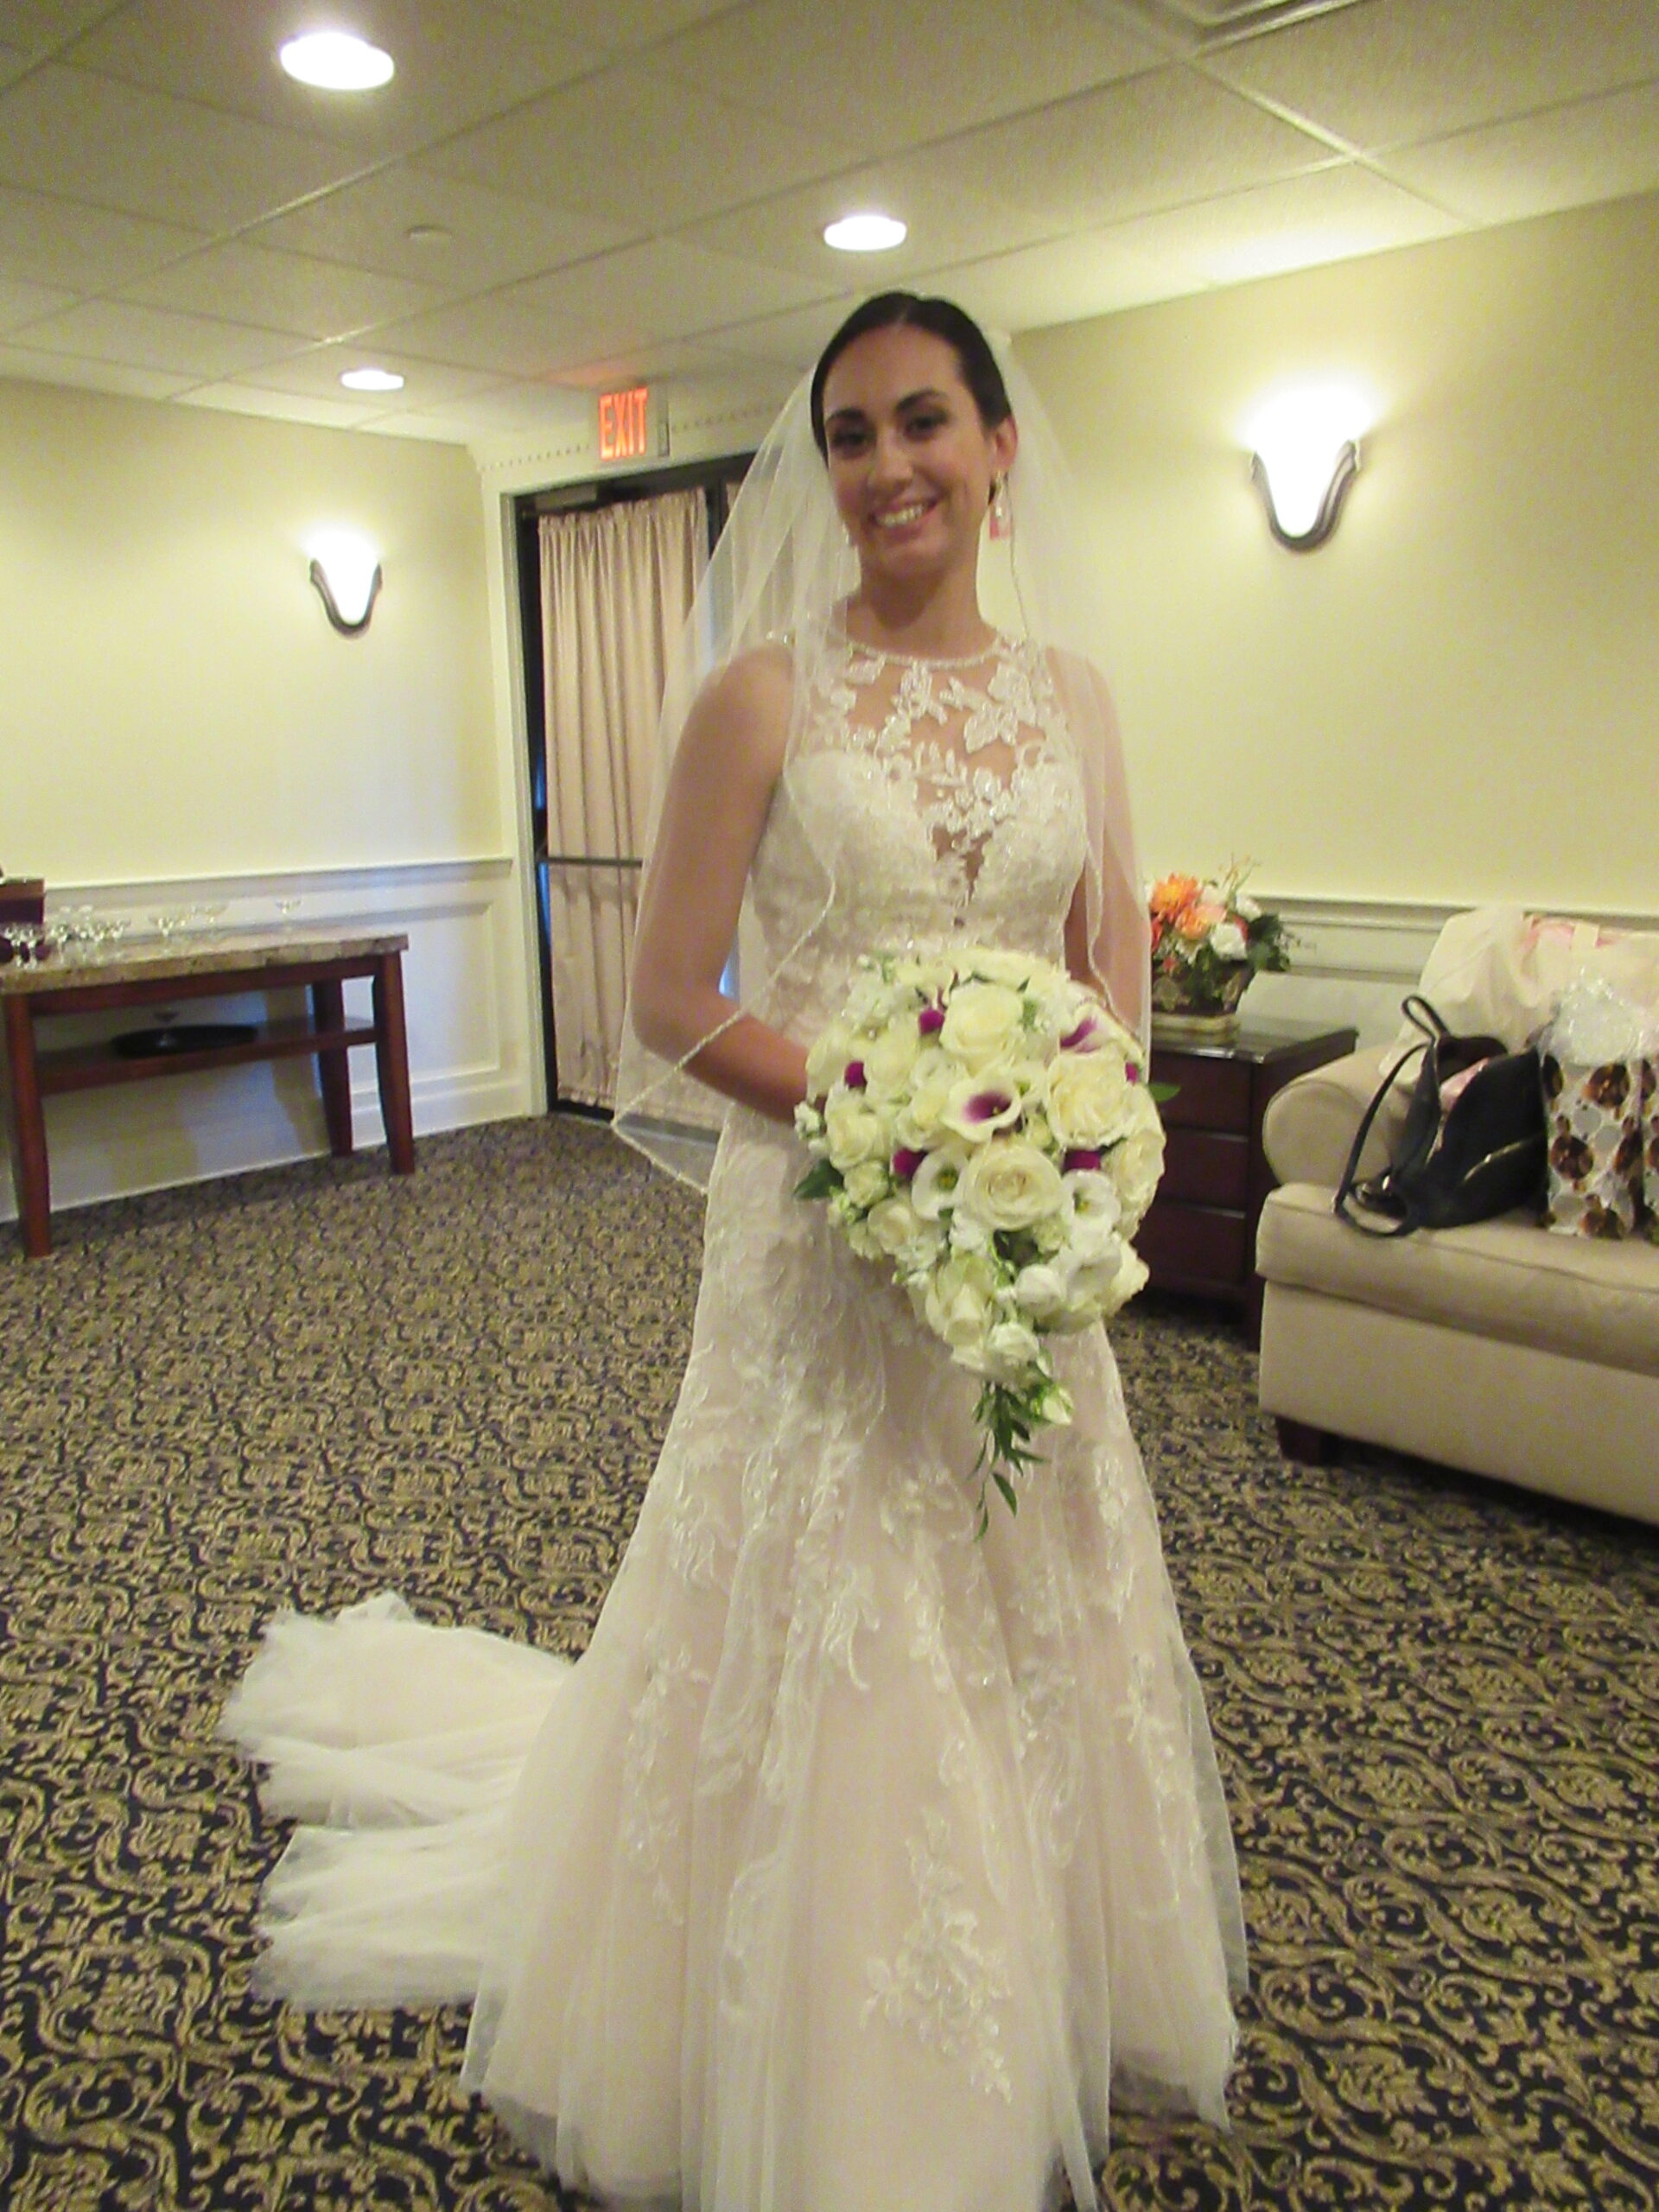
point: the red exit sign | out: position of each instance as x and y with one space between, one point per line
622 423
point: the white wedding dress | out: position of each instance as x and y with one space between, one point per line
860 1862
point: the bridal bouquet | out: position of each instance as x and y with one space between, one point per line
980 1123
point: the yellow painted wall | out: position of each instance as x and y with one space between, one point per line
173 702
1457 699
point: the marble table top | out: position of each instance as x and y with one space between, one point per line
161 959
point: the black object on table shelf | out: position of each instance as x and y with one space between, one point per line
179 1037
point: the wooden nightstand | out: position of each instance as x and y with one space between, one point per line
1200 1234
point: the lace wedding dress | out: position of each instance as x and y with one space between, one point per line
860 1862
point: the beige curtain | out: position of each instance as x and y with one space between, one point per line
617 584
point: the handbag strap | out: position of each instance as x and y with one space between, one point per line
1343 1205
1423 1017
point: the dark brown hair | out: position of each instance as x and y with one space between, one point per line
943 319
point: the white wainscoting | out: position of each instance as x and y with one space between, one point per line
1354 960
469 989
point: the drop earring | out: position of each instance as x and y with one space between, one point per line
1001 510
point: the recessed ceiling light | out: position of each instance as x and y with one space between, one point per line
864 233
337 61
373 380
427 234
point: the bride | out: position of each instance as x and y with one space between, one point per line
861 1861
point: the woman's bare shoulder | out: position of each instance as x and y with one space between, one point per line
742 713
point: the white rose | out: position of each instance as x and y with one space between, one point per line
890 1057
960 1301
983 1022
1013 1350
1084 1098
1011 1184
1097 1292
1092 1291
828 1059
933 1187
1014 969
1136 1164
1041 1290
980 1106
853 1131
867 1183
902 1233
919 1120
1228 942
1246 907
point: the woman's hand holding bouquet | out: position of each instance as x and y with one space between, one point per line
981 1123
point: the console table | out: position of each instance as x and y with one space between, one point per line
164 973
1199 1235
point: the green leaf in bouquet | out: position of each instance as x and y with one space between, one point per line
820 1180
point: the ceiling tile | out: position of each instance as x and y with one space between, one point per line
315 374
40 27
34 367
1064 281
489 239
881 74
1151 142
507 409
1336 214
21 303
638 150
89 249
1417 69
88 138
185 345
284 291
1596 149
434 430
947 221
790 342
644 363
660 289
620 24
452 69
277 406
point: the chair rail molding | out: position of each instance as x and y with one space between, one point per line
1353 960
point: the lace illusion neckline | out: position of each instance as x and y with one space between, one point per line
855 648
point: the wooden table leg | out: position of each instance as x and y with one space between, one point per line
29 1168
392 1061
333 1074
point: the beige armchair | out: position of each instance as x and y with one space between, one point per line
1502 1349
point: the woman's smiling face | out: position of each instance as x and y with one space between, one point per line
911 463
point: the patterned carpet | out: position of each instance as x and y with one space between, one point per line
1436 1703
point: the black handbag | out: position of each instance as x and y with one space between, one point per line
1479 1154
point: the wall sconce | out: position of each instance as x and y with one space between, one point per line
347 573
1305 455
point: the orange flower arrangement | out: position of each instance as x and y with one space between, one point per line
1207 940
